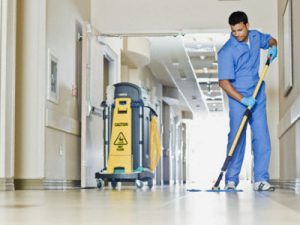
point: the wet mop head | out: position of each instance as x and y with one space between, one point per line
223 190
194 190
215 189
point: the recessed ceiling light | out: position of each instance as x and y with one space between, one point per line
212 71
176 64
182 74
183 78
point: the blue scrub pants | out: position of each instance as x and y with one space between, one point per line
261 146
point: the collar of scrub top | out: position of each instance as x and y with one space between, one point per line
236 42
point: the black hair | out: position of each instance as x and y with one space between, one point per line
237 17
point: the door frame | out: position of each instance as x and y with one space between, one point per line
86 107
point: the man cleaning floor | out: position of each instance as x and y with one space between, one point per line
239 61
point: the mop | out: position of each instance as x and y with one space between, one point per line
247 114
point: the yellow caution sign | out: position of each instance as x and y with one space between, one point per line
120 141
120 152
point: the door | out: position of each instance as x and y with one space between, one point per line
99 69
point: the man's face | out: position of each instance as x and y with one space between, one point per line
240 31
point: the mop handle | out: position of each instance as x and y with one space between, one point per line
262 77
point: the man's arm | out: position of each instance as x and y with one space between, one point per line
230 90
272 42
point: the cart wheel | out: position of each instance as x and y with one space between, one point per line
114 184
100 183
150 183
139 184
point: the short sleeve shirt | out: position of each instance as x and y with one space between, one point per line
237 59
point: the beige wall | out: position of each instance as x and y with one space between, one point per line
289 132
116 44
30 88
286 102
7 88
47 133
145 79
135 58
62 145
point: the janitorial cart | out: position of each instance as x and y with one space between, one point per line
131 137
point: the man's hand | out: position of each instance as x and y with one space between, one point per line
272 52
248 101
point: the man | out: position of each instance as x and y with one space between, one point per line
239 61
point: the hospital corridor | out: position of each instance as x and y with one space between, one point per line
149 112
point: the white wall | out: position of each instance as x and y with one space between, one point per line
169 15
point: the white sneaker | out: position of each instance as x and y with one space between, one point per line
230 186
263 186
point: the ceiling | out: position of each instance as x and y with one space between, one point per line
189 63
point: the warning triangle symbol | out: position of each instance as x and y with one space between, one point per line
121 140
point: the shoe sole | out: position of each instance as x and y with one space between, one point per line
271 189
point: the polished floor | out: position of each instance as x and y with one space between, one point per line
162 205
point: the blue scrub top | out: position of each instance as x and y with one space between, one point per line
239 62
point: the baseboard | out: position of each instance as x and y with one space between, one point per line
293 185
61 184
29 184
7 184
48 184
